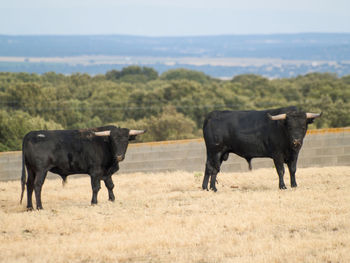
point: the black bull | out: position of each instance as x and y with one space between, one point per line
276 134
92 151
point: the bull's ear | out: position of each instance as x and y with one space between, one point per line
103 133
134 133
312 116
132 137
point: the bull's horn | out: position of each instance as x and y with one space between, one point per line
136 132
277 117
313 115
103 133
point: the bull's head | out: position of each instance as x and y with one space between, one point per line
296 125
120 138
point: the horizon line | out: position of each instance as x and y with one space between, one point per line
177 36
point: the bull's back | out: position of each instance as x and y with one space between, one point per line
49 141
241 131
66 151
242 120
233 127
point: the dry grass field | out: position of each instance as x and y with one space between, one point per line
166 217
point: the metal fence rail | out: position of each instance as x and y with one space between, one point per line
324 147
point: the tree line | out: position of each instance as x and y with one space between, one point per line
172 105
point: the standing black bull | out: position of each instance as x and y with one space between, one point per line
277 134
92 151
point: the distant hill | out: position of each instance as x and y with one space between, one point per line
330 51
288 46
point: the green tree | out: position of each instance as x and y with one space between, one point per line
180 74
339 114
137 95
15 124
169 125
133 74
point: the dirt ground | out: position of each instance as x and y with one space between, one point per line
166 217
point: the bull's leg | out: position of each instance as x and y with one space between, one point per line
206 176
212 168
38 184
292 166
30 188
280 170
96 186
109 184
215 169
213 181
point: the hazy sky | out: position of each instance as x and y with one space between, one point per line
173 17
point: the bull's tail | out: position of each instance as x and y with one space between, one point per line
23 178
249 160
64 180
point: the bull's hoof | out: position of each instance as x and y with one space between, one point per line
214 189
283 187
294 185
30 208
111 199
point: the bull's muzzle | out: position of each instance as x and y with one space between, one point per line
297 143
120 158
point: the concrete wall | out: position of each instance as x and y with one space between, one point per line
327 147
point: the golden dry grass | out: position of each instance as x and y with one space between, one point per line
166 217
